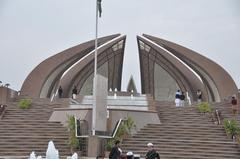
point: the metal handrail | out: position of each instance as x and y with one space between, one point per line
76 130
218 117
2 110
116 127
100 136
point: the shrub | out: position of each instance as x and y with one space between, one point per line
238 139
25 103
231 127
73 140
204 107
124 130
110 143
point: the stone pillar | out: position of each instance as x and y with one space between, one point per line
3 95
99 116
6 94
94 146
100 104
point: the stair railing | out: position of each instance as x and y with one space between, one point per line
81 128
116 128
2 110
218 116
83 132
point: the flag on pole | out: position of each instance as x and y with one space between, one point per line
99 7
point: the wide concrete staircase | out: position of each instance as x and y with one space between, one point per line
25 130
226 110
183 134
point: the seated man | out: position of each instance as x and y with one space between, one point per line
130 155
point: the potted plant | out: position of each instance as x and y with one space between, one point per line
108 147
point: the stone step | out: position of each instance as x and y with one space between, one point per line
27 153
188 150
22 131
32 128
33 135
210 138
188 126
146 140
191 155
13 142
28 128
7 121
184 134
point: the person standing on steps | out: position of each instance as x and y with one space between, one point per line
199 96
60 92
182 98
177 98
115 151
74 92
234 106
152 153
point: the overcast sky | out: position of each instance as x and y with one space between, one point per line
31 31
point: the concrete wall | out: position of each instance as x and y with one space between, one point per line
100 103
164 85
47 73
220 83
61 115
7 94
150 117
88 85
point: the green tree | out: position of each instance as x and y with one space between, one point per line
73 140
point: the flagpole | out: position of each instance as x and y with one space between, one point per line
95 75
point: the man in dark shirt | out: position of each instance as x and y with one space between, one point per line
152 154
74 92
115 153
234 105
199 95
60 92
182 98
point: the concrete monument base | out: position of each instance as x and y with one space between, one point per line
94 146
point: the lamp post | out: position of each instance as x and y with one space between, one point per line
95 75
98 13
1 92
